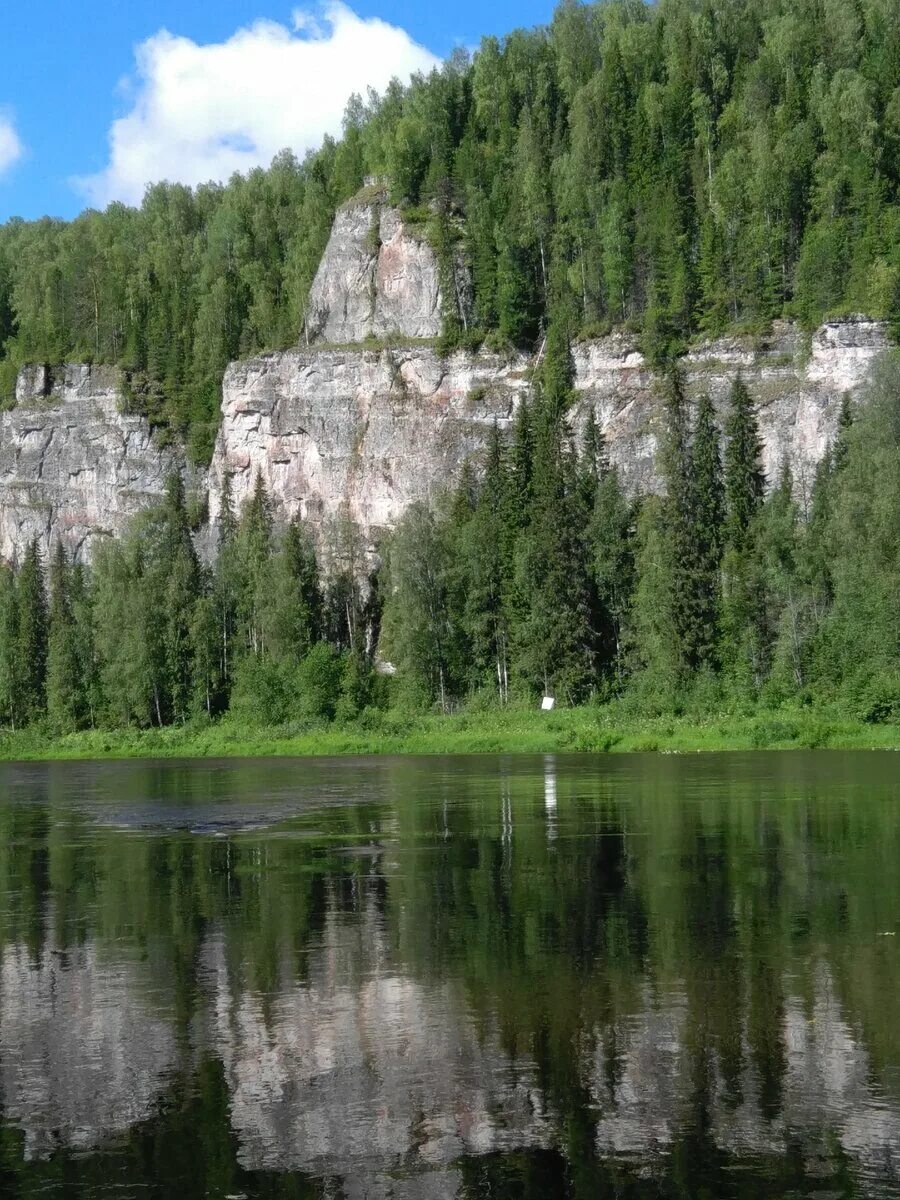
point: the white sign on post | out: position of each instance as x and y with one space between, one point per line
547 703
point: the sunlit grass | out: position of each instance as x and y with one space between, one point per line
588 729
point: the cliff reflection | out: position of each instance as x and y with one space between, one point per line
80 1057
479 978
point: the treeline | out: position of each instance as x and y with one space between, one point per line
542 576
676 167
152 636
537 576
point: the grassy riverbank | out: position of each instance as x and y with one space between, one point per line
510 731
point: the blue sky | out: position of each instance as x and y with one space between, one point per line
98 95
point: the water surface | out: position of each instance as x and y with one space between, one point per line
526 976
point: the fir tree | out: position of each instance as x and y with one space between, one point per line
744 479
708 529
66 692
31 639
9 660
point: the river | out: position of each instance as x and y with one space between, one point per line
488 976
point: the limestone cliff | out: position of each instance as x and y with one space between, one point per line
378 278
73 464
362 431
369 431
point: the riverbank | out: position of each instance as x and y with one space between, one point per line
591 729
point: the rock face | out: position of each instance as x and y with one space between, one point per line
364 433
378 277
796 383
73 466
360 432
368 432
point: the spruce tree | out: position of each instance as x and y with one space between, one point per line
31 640
744 644
65 686
80 598
593 460
487 551
225 585
744 478
207 678
293 617
708 529
9 636
680 512
656 650
612 569
227 520
789 620
178 576
417 635
522 462
555 644
253 551
845 423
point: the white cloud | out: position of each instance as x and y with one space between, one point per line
10 146
203 112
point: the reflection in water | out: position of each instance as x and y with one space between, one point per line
550 795
362 1068
643 977
80 1058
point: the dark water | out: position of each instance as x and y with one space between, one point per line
482 977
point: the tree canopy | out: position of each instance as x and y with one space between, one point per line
678 167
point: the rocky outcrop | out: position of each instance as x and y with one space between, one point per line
797 383
73 464
360 432
367 432
378 278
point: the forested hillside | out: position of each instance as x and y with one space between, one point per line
684 167
538 575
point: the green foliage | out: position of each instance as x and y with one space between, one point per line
535 575
30 645
66 692
664 166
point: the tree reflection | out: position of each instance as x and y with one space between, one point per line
485 977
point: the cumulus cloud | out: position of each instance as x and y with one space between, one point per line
201 112
10 146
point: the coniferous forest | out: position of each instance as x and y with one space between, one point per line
536 575
676 169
